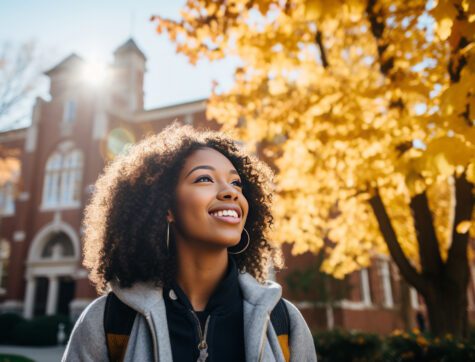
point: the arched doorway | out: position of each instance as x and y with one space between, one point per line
51 267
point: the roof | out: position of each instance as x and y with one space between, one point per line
72 62
13 135
129 47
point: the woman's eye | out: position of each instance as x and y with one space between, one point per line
238 183
203 178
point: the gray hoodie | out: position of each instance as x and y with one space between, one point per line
149 340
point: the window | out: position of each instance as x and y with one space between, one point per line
58 246
4 259
7 202
385 278
365 287
414 298
69 111
71 177
52 176
63 176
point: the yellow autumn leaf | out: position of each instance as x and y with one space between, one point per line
463 227
313 9
444 14
471 172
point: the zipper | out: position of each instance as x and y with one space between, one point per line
154 339
202 345
264 334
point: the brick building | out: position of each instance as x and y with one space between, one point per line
71 137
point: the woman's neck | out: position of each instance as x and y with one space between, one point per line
199 273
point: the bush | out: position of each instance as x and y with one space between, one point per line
14 358
414 346
8 321
342 346
40 331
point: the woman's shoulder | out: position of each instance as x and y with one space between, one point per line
94 311
87 341
293 311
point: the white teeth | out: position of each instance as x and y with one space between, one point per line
231 213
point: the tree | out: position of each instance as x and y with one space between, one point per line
368 109
18 82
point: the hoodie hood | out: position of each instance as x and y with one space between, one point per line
143 296
265 295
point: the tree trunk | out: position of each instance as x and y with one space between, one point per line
446 303
443 285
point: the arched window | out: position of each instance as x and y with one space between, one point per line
58 246
63 176
4 259
52 176
71 177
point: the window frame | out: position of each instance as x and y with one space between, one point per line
69 111
62 180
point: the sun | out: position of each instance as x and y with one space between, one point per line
95 73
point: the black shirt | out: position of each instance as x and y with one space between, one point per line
225 335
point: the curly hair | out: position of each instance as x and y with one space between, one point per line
125 220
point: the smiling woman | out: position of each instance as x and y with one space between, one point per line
176 233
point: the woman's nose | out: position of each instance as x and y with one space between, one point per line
228 193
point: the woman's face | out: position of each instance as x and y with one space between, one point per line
211 209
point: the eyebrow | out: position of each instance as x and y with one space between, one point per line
206 167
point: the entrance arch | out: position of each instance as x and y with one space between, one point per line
52 262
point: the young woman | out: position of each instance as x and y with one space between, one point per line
177 229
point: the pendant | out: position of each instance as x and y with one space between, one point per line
203 355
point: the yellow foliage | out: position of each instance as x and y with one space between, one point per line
353 98
463 227
9 169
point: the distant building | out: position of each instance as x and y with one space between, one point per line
70 140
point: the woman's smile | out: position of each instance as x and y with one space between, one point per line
228 216
226 213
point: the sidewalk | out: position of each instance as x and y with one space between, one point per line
37 354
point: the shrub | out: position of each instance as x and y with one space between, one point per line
417 347
40 331
13 358
342 346
8 321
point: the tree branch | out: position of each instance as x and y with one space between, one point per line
323 53
429 253
390 237
376 20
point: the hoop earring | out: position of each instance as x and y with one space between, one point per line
247 245
168 237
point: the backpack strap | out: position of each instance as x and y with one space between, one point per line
280 320
118 321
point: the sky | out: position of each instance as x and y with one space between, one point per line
94 29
